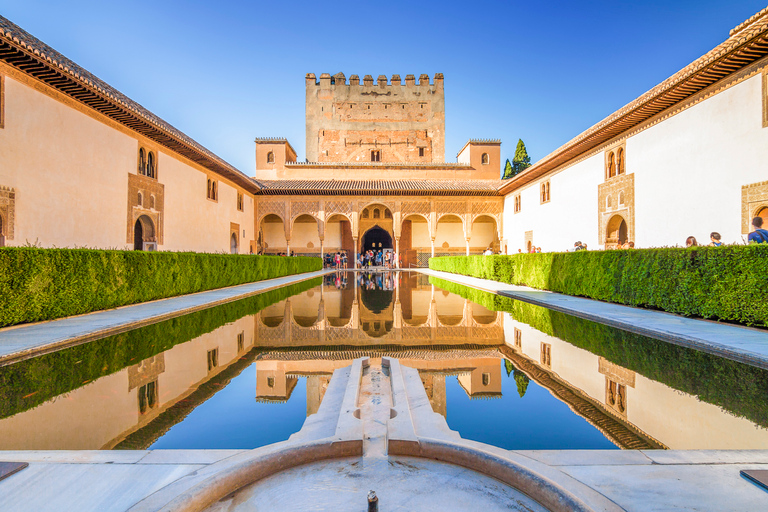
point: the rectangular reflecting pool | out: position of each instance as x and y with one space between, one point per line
500 371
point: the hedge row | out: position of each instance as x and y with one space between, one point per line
726 283
738 388
43 284
31 382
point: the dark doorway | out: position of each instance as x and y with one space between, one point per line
138 237
375 239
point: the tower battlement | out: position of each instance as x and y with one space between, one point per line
386 119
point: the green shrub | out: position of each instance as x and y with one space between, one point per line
726 283
43 284
31 382
738 388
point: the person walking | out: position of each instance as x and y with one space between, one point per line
759 235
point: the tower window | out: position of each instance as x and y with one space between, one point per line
486 158
375 156
270 157
421 151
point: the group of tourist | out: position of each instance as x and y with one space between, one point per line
756 236
338 260
337 280
379 258
377 280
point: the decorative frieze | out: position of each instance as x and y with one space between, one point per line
343 207
453 207
271 207
754 202
420 207
305 208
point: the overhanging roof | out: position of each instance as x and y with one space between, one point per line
380 187
34 58
747 44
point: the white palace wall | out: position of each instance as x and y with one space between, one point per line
689 167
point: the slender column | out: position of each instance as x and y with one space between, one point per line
322 245
355 255
397 252
467 246
433 247
287 247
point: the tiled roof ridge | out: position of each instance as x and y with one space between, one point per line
752 29
20 37
484 141
333 186
271 139
749 21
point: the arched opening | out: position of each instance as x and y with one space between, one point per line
616 231
307 309
376 239
140 199
272 235
414 237
611 165
449 308
233 244
484 234
485 158
482 315
450 231
151 165
143 231
272 316
152 202
338 237
620 161
142 161
621 198
763 212
270 157
305 238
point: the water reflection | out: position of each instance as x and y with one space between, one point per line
505 373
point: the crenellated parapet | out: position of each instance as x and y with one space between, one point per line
379 119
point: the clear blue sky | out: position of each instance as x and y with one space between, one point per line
226 72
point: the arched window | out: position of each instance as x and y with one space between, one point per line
142 161
215 192
620 161
140 199
621 198
376 213
609 202
365 214
486 159
209 194
152 202
151 165
611 165
387 214
376 156
270 157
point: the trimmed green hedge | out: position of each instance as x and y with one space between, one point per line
726 283
43 284
738 388
31 382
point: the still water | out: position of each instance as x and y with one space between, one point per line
510 374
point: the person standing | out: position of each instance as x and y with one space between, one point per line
759 235
714 238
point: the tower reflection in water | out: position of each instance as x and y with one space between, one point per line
376 314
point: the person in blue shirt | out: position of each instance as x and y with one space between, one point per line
759 235
715 239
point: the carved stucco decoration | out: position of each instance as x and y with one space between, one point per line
754 198
151 191
271 207
619 192
343 207
420 207
8 211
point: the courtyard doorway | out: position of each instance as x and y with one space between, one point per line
764 214
143 232
233 244
376 239
615 231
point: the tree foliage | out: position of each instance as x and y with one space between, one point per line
507 170
520 162
522 381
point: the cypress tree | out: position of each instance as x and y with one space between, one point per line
522 381
521 161
507 170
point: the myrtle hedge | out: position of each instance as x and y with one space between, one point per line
726 283
738 388
43 284
31 382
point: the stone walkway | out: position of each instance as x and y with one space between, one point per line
29 340
742 344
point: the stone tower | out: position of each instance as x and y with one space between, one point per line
382 122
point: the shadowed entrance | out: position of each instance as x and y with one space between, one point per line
376 238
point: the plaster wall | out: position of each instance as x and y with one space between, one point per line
70 172
570 215
689 169
195 223
305 233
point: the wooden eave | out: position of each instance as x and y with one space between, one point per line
742 49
